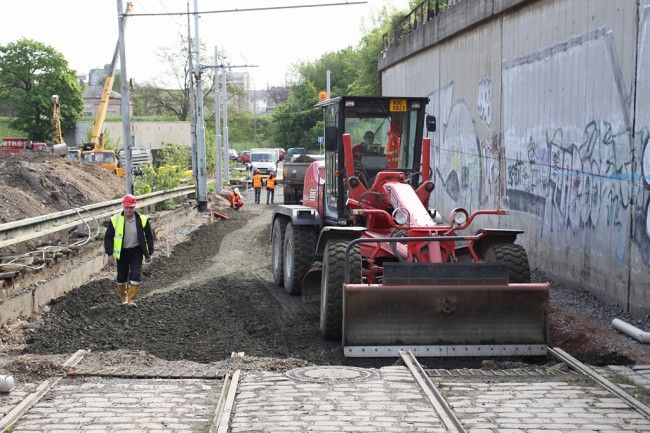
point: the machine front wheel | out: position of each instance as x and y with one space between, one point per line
514 257
331 297
277 249
299 246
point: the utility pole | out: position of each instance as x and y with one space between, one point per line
226 144
124 102
217 126
202 187
327 86
190 84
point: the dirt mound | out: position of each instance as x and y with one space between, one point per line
34 183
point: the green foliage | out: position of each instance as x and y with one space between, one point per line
30 73
353 72
164 177
6 130
176 155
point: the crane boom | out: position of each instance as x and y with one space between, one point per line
102 108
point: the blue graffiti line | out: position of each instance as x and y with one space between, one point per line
617 176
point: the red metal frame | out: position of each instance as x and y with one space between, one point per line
391 190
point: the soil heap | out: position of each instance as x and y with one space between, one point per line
35 183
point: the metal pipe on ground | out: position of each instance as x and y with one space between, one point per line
632 331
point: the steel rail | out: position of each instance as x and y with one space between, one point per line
608 385
16 232
28 402
442 408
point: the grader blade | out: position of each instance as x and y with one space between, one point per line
455 314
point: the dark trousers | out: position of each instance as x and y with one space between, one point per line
269 193
258 193
129 265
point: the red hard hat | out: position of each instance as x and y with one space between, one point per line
129 200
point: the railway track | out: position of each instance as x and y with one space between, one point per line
453 423
226 384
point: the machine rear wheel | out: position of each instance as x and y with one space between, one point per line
298 255
331 297
277 249
514 257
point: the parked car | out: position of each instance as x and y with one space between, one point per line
245 157
264 161
293 152
233 154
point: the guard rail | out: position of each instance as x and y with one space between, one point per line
16 232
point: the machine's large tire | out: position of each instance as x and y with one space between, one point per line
277 250
514 257
298 255
331 296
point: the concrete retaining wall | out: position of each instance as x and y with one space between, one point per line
30 293
544 109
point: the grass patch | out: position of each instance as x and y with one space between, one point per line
7 131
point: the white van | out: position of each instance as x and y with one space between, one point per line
264 160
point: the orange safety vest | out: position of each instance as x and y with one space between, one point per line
270 183
393 146
257 181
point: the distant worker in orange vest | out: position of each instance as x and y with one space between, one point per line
271 181
257 185
235 199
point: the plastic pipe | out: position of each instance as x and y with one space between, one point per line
632 331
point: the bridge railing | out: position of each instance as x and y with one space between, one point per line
422 13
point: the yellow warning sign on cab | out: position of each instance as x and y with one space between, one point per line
397 105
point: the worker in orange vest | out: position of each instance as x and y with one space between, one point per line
271 181
235 199
257 185
392 147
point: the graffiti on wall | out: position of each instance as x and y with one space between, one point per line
571 167
641 232
458 162
484 101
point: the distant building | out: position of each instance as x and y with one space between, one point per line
150 135
93 94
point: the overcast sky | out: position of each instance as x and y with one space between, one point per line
85 31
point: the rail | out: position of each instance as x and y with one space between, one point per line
420 14
17 232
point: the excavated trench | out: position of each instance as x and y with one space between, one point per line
215 295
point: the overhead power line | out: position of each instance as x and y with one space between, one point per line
269 8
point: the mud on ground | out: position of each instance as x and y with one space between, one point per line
214 295
35 183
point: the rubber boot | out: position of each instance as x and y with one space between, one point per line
123 292
133 293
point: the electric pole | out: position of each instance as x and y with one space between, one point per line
192 102
217 127
124 102
202 190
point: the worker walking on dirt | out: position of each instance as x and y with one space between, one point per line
257 185
128 239
271 181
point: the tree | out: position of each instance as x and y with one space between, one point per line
353 71
30 73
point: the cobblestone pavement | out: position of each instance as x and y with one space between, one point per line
339 399
123 405
386 400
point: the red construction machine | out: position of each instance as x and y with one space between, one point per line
388 273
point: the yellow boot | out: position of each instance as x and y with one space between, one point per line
122 290
133 294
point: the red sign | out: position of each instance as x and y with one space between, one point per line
14 145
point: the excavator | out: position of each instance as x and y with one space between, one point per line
94 152
388 272
58 145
